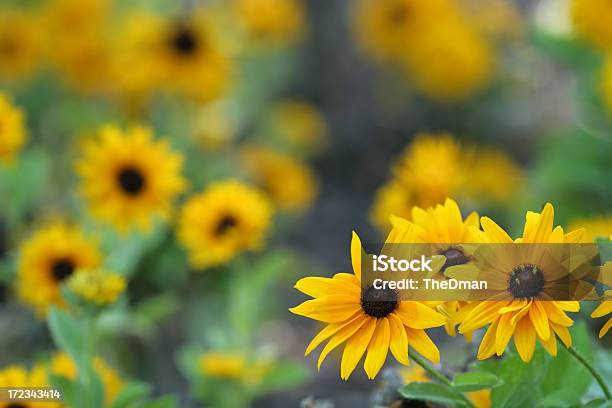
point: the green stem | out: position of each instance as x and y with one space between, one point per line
593 371
436 374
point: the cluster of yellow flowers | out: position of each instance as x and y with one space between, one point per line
368 325
435 166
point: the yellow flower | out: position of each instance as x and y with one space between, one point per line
522 313
62 365
19 377
97 287
20 44
276 21
288 181
226 218
12 129
215 126
604 309
47 259
495 18
77 33
413 374
480 399
393 198
300 124
363 322
127 178
595 227
234 367
484 175
183 55
591 20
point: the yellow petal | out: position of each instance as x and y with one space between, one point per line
550 345
605 328
419 316
569 305
539 320
524 339
487 345
504 332
355 347
378 348
420 341
328 309
340 337
399 340
481 315
556 315
603 309
319 287
356 255
329 331
495 232
563 333
473 219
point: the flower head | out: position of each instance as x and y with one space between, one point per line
273 21
299 125
20 43
12 129
20 377
233 367
97 287
591 21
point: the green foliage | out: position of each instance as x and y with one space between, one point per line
437 393
474 381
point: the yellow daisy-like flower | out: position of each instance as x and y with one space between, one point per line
182 55
97 286
497 19
47 259
127 178
364 322
596 227
300 124
215 127
276 21
12 129
523 315
288 181
393 198
62 365
226 218
19 377
234 367
591 20
20 44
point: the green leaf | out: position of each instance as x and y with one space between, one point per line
67 388
521 381
130 394
167 401
474 381
559 398
597 403
433 392
66 332
284 376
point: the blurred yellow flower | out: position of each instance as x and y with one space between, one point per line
497 19
20 44
127 178
62 365
595 227
182 55
526 316
12 129
413 374
591 21
606 83
226 218
365 322
480 398
274 21
393 198
97 286
300 125
19 377
289 182
47 259
215 126
234 367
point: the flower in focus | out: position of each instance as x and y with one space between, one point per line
300 125
19 377
127 178
226 218
62 365
233 367
48 259
604 309
288 181
20 44
521 313
596 227
273 21
12 129
364 322
96 286
591 20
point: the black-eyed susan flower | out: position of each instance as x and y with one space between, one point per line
20 44
521 313
12 129
591 19
234 366
128 178
17 376
288 181
47 259
594 227
97 287
228 217
300 125
274 21
364 322
62 365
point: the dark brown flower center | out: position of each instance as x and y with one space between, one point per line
454 256
131 180
412 403
184 41
398 14
62 269
226 223
526 281
378 302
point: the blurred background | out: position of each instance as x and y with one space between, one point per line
338 113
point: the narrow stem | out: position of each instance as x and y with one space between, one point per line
593 371
435 374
